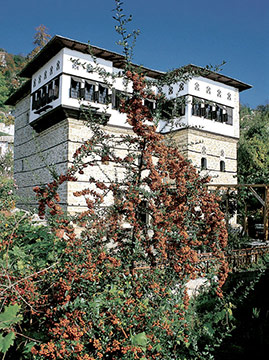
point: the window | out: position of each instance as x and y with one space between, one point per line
102 94
117 96
229 115
181 87
56 88
208 109
218 93
222 166
208 90
34 83
89 91
196 107
203 163
39 79
45 74
75 87
51 70
203 150
46 94
150 104
197 86
58 65
219 114
229 96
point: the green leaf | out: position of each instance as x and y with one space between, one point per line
6 341
139 340
9 316
28 347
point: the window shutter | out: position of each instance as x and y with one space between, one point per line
82 93
96 96
113 98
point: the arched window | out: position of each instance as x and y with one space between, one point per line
222 166
203 163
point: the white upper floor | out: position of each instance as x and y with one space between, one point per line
63 75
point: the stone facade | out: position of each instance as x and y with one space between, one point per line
198 144
36 155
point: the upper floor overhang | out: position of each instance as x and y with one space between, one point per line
57 43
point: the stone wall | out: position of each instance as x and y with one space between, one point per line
78 132
214 148
36 155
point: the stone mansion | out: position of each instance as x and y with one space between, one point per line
48 126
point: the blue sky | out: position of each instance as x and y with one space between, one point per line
173 33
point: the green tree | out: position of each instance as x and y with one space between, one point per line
4 91
253 149
118 290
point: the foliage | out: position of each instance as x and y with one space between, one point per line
3 90
27 253
118 290
6 163
7 193
253 151
8 319
41 38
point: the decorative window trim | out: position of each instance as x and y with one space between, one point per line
203 151
181 87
